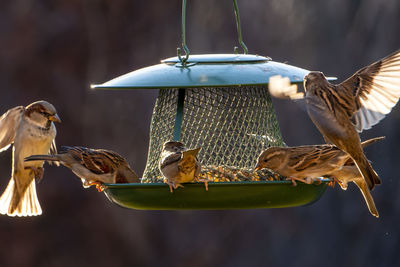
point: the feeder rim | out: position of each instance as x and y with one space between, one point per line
123 185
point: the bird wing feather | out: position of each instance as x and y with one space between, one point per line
309 156
376 89
173 157
91 160
8 126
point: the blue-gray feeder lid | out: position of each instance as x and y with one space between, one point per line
209 70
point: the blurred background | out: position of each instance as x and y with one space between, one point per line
54 50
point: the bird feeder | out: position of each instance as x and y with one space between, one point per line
219 102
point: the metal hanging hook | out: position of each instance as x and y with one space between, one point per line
183 60
239 29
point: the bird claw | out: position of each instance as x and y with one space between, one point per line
303 180
99 186
316 181
292 179
331 183
203 180
172 186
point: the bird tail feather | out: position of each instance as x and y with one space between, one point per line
370 176
367 197
13 205
42 157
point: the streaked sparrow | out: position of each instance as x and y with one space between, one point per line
30 130
358 103
93 166
179 165
305 163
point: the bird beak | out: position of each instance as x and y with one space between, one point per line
257 168
55 118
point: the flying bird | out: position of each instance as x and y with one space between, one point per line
30 130
93 166
341 111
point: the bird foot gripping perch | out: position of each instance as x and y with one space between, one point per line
99 186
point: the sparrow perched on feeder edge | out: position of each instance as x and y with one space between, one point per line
358 103
179 165
93 166
30 130
305 163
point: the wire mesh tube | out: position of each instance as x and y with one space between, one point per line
232 125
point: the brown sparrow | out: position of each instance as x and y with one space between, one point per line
179 165
358 103
30 130
305 163
93 166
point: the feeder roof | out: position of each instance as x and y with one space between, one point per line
209 70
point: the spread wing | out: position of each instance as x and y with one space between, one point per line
376 89
8 126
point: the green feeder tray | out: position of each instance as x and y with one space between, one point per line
219 102
224 195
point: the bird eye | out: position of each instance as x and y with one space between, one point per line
265 160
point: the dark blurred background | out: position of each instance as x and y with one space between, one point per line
54 49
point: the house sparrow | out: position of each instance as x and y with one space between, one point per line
179 165
93 166
358 103
350 173
30 130
305 163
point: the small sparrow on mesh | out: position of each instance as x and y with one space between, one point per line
305 163
93 166
30 130
179 165
358 103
